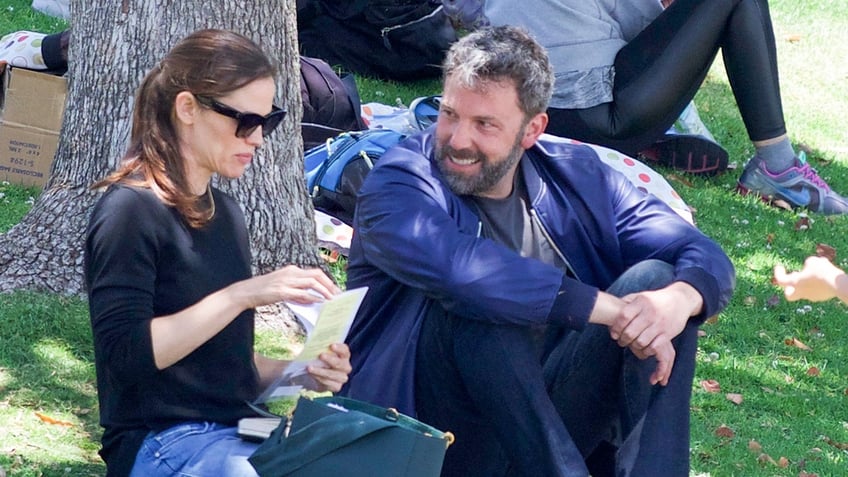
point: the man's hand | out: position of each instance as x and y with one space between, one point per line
650 320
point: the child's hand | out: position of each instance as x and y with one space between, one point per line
817 281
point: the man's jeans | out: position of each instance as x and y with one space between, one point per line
520 408
196 449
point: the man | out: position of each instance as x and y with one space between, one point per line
487 248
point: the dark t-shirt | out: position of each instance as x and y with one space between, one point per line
142 261
509 222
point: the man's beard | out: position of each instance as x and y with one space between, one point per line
491 171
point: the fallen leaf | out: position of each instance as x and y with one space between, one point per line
724 431
701 333
710 385
813 371
783 462
712 320
680 179
331 256
826 251
803 223
793 38
734 398
773 301
754 446
780 203
808 150
50 420
765 459
807 474
750 300
838 445
797 343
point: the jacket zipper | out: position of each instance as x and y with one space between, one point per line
552 243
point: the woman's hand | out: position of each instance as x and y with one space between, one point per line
175 336
332 372
290 283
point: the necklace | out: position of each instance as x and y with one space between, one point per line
211 200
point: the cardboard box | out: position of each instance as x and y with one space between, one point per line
31 108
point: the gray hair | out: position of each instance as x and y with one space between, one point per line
503 53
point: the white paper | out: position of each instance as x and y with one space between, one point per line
331 321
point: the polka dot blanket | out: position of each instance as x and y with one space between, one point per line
645 178
22 49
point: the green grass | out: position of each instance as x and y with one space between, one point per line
15 201
787 410
16 15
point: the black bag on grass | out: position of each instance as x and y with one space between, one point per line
331 102
402 40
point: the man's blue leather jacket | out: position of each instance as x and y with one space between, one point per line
418 247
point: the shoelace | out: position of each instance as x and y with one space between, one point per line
813 176
809 173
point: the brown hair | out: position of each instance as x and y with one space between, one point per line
503 53
207 63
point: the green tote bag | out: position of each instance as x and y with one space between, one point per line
348 438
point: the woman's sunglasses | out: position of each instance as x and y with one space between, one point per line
247 122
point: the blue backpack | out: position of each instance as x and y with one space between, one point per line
336 169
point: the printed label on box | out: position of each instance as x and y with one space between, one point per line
25 155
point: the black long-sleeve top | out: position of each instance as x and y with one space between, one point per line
143 261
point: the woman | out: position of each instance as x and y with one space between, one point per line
626 69
168 272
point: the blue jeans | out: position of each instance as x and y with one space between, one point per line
196 449
539 401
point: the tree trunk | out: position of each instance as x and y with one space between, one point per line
113 45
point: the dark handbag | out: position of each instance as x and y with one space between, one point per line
345 437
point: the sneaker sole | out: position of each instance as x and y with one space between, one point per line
701 156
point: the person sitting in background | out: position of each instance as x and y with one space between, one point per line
818 280
523 294
626 70
168 269
398 40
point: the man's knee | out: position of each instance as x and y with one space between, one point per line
645 275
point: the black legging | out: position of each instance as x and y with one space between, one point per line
659 72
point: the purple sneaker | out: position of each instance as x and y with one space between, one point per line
799 186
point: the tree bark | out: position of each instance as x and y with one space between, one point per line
113 44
